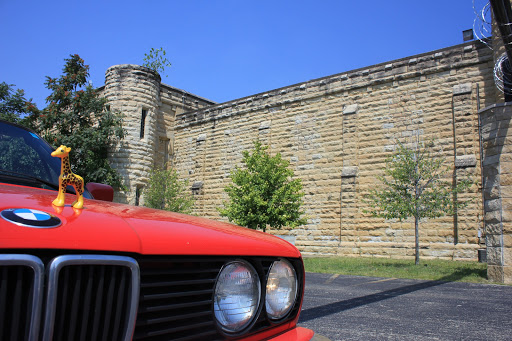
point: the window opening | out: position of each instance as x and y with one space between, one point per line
138 190
143 122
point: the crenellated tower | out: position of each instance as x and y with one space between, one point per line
135 92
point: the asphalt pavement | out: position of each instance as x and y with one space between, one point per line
369 308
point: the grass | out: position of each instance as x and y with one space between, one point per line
441 270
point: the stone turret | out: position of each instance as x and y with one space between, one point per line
135 92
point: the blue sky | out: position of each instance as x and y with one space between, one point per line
222 50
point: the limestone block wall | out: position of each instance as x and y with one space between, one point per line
173 102
148 109
337 132
497 190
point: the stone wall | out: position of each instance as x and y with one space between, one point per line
337 132
137 92
497 189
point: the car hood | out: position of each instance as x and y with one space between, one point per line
106 226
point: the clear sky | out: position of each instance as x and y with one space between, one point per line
222 50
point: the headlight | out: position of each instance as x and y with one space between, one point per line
237 296
281 289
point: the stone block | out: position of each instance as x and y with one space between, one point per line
492 205
494 255
465 161
493 228
201 138
351 109
495 273
492 217
493 240
491 160
462 89
349 172
506 179
265 125
507 274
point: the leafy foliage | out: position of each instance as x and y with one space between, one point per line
77 117
156 60
263 192
414 187
166 191
13 105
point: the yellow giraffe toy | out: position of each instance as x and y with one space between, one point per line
68 178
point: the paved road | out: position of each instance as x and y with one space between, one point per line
367 308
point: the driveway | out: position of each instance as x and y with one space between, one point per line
368 308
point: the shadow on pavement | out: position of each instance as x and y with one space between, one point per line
336 307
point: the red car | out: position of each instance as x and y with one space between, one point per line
117 272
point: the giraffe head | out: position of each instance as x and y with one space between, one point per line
61 152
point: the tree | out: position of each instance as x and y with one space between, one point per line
14 107
263 193
156 60
414 187
78 118
166 191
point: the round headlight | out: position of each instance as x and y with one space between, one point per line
237 296
281 289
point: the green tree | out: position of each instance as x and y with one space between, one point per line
77 117
413 186
14 107
166 191
263 193
156 60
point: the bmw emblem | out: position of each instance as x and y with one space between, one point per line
30 218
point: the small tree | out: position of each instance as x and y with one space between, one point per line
78 118
414 187
165 191
263 192
156 60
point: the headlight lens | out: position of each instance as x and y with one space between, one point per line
281 289
237 296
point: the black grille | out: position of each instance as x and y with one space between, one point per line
92 303
91 298
21 278
176 299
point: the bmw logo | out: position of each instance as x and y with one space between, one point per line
30 218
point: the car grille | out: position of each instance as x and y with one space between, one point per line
97 297
91 298
176 299
21 283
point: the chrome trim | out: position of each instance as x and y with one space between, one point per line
37 299
59 262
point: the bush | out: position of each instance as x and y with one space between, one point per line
166 191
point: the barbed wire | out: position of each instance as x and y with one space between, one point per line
482 25
502 78
482 30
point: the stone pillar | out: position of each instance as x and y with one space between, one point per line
135 92
497 187
466 149
349 172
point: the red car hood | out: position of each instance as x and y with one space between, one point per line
109 226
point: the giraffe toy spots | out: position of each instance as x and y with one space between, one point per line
68 178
